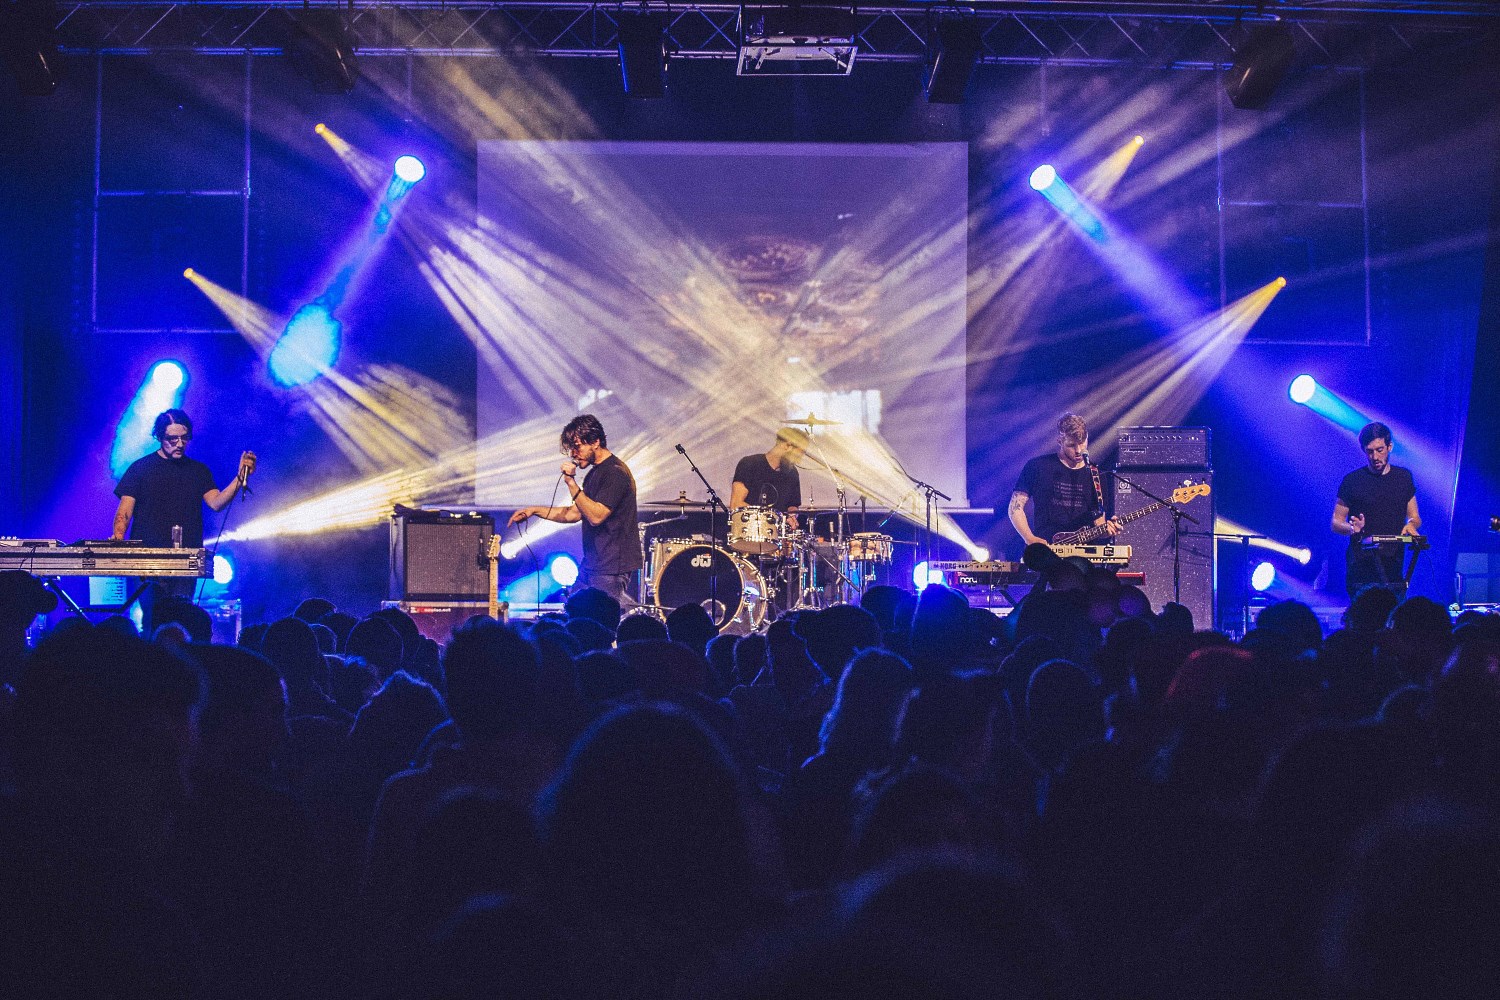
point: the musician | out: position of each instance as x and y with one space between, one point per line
1378 498
771 479
1065 491
605 504
167 488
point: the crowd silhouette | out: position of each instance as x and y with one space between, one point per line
904 797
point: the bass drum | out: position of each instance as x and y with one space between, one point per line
729 588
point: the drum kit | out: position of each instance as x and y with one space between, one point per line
766 566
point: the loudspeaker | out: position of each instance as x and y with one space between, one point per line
1150 539
440 556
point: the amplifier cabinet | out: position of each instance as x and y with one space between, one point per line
440 556
1163 448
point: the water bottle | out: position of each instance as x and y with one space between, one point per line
176 536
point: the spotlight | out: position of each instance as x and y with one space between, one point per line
563 570
1263 576
168 376
980 553
223 570
922 575
1259 65
959 45
308 347
31 50
1043 177
642 41
1139 140
189 273
410 169
1302 389
321 46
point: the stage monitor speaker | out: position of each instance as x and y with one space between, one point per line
440 556
1151 538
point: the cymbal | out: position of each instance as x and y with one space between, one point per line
679 502
812 421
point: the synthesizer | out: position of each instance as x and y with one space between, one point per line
87 559
989 573
1099 555
1413 543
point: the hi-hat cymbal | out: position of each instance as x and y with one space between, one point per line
812 421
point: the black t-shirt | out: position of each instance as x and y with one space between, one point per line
780 488
1064 498
167 491
615 545
1381 499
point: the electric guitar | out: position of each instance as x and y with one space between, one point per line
1094 532
492 556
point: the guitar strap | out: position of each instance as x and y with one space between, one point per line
1098 490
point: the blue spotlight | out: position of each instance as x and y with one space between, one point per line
1302 388
223 569
922 575
163 388
1063 198
1263 576
1306 391
168 376
563 570
410 169
308 347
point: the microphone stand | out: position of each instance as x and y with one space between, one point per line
928 492
1177 515
715 504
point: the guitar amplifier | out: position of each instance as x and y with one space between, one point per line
1163 448
440 556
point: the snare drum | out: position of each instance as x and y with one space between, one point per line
756 530
870 546
703 575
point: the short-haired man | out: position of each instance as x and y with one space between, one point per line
1064 490
771 479
1377 498
605 504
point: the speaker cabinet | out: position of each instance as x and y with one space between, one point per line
440 556
1151 540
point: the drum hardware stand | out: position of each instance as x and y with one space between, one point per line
715 504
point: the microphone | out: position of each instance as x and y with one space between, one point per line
1085 457
244 478
681 450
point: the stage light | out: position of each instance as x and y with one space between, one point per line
1302 389
980 553
1259 65
410 169
167 376
1043 177
1139 140
1263 576
223 569
189 273
320 128
1307 391
642 43
308 347
959 45
562 569
922 575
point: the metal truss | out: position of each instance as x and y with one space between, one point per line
1350 33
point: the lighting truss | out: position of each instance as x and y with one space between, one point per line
1349 33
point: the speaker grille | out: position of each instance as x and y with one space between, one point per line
439 561
1150 539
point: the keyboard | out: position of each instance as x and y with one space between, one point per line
1099 555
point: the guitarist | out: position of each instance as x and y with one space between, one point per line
1063 487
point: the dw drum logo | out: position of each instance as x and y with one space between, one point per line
703 561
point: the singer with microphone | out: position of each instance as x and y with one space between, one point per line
167 490
1063 487
605 505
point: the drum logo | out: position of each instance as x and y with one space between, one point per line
702 561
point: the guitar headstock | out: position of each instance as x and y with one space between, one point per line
492 548
1185 493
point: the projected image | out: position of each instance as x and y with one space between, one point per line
705 294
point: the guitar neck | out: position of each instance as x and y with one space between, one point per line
1095 532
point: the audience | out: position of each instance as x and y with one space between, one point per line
1081 800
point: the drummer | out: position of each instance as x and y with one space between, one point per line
771 479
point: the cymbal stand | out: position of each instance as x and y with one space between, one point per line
838 526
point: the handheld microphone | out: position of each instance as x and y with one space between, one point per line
1085 458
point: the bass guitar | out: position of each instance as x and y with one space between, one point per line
1095 532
